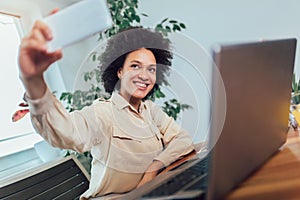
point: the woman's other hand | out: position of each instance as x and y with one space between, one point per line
151 172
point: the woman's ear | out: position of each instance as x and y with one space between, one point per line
119 73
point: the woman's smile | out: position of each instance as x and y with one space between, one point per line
141 85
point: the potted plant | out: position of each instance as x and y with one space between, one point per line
295 103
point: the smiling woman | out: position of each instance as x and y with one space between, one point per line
130 137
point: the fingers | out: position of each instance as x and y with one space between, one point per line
41 28
34 56
54 56
38 37
55 10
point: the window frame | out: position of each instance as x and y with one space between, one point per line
25 141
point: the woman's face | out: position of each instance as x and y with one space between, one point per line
138 74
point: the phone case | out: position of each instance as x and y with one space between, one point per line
78 21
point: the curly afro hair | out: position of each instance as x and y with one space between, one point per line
127 41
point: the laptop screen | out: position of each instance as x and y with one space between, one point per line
257 79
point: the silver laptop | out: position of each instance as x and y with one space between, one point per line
257 80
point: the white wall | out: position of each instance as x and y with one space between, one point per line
213 21
208 22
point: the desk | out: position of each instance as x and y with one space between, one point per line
278 178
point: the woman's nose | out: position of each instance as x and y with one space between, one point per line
143 74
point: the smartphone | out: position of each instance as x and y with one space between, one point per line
77 22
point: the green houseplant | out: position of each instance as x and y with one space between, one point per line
295 101
295 90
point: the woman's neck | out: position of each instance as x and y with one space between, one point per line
134 102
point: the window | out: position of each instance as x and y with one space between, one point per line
14 136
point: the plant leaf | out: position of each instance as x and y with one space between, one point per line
182 25
164 20
176 27
19 114
23 104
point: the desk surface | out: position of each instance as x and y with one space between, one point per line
278 178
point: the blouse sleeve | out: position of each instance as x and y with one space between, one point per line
75 130
177 141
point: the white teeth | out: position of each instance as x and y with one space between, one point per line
141 84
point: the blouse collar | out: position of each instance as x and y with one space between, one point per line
121 102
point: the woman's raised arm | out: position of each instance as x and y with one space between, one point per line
34 59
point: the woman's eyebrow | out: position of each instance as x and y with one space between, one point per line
136 61
139 62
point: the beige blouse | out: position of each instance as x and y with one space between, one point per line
123 141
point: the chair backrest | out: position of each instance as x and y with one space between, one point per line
62 179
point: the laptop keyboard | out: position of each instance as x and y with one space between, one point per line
193 178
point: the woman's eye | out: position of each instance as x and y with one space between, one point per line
135 66
152 70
